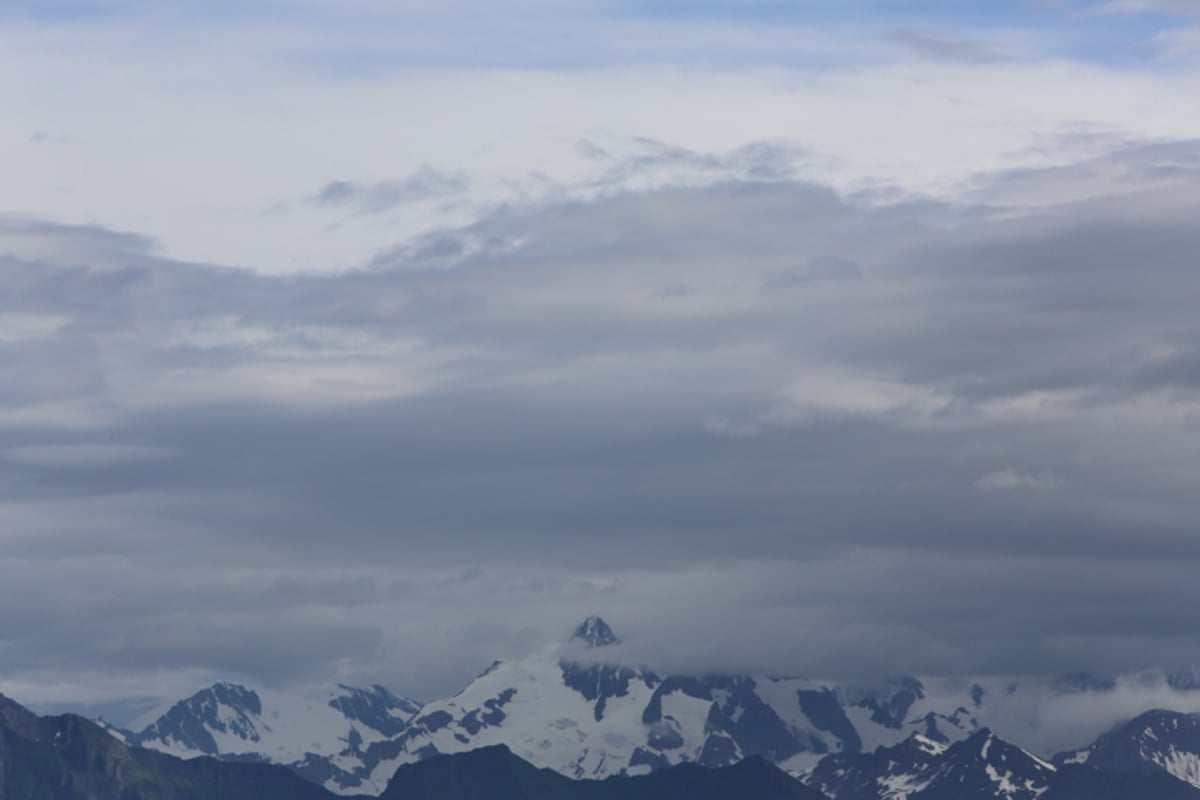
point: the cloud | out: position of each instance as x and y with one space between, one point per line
427 183
814 400
822 268
1122 166
1136 7
82 456
45 137
646 163
1007 480
1183 42
843 318
937 48
96 247
365 99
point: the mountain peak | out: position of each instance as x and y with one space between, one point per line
594 632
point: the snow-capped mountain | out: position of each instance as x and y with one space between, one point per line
888 773
565 708
324 738
890 712
594 632
589 719
1130 765
1155 741
980 766
574 708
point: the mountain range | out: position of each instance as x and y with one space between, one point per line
575 710
566 709
70 758
984 767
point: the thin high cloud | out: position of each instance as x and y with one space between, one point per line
219 152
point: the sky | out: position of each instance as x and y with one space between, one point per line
372 341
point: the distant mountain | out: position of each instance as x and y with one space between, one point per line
494 773
985 766
577 709
594 632
567 709
1076 782
1155 741
981 767
69 758
324 739
574 711
887 773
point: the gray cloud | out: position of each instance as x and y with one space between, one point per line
938 48
822 268
840 413
45 137
427 183
1007 480
649 162
86 456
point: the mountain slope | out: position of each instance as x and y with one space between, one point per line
323 738
1075 782
494 773
888 773
577 709
981 767
568 708
70 758
576 713
1154 741
985 766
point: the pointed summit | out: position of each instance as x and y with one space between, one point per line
594 632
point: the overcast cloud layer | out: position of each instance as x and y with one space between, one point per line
761 410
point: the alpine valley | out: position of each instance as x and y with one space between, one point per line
575 712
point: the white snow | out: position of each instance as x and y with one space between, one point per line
929 745
781 695
290 727
550 724
1006 787
1182 764
800 766
899 787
